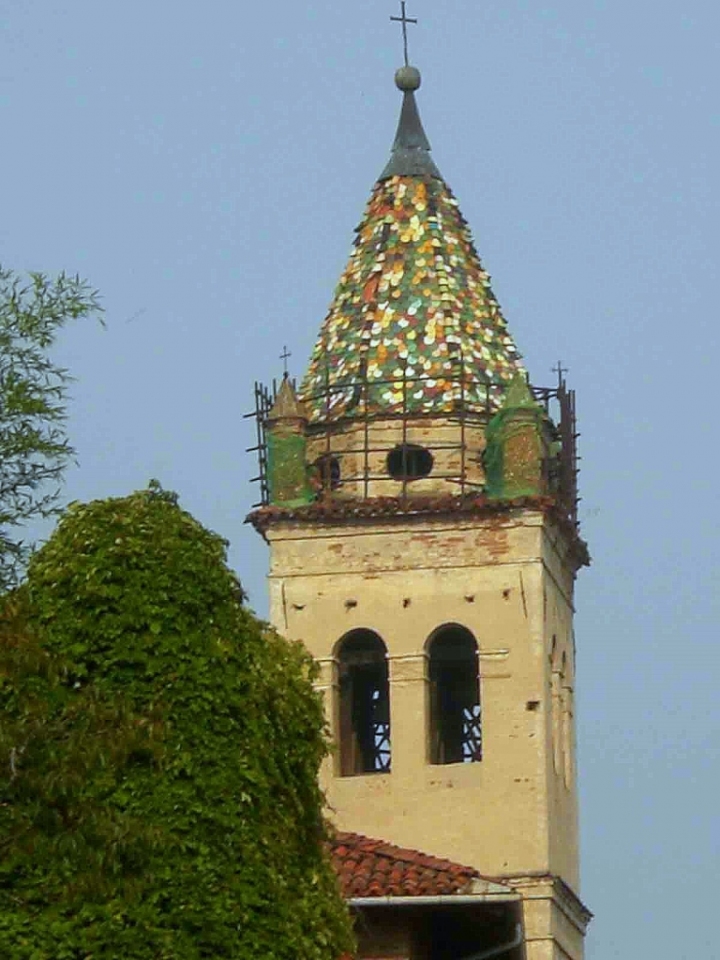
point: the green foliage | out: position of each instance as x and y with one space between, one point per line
158 768
33 390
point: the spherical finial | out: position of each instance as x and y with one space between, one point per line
408 79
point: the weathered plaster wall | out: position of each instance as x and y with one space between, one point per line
560 694
403 580
554 920
508 580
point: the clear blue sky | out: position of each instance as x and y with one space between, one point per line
204 166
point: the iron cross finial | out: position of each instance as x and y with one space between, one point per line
560 370
285 356
404 20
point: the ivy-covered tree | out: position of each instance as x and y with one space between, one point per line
34 449
159 755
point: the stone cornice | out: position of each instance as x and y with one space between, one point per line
335 511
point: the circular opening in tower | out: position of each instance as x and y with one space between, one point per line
409 462
328 471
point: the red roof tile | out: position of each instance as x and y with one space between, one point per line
374 868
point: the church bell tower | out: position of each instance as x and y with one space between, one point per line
419 500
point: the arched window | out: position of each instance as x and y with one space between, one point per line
364 704
455 720
328 471
567 720
556 705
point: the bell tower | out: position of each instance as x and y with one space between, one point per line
419 501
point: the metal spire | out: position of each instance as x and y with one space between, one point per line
411 149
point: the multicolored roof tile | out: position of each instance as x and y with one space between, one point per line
414 324
375 868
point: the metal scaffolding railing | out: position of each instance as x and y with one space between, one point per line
467 414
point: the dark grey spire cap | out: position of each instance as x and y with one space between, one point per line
411 150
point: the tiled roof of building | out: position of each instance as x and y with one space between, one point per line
374 868
413 302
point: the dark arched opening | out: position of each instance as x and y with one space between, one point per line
328 472
408 461
455 719
364 704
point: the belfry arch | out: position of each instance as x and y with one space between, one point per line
454 716
363 704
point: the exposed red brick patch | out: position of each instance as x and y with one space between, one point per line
336 510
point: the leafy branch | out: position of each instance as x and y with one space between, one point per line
34 449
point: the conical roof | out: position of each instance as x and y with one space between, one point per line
414 324
286 405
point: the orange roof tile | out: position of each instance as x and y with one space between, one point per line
374 868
